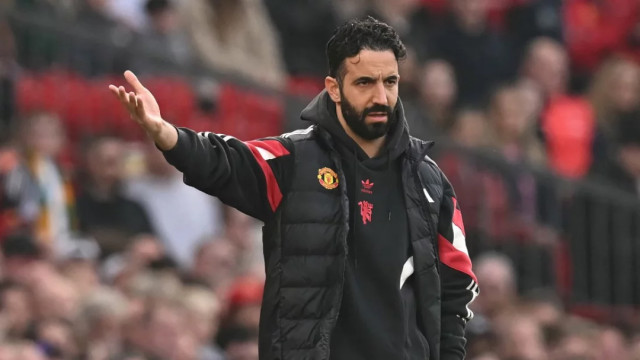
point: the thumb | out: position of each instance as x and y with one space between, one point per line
132 79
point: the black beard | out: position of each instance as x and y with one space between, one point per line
357 124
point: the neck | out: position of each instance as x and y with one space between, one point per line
371 147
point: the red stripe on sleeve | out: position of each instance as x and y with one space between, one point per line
457 216
454 258
275 148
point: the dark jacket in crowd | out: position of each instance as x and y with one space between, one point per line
365 257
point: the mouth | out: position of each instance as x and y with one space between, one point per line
377 116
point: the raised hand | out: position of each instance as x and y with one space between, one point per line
144 109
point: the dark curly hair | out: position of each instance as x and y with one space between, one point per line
358 34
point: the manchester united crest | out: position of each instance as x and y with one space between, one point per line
328 178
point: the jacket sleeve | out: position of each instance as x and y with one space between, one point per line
458 282
250 176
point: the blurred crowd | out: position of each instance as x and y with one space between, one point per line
534 326
113 257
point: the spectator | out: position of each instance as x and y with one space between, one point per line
122 268
23 259
192 215
412 21
568 125
54 297
101 321
16 310
546 307
303 27
546 68
486 204
431 117
595 29
235 36
521 338
10 221
578 339
614 94
37 185
104 211
203 310
238 334
478 54
78 263
56 339
612 344
35 49
349 9
244 298
128 12
496 272
164 39
92 58
514 135
168 333
244 233
623 170
396 13
216 262
528 20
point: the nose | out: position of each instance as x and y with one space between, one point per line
380 95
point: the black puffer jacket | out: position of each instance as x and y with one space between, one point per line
295 184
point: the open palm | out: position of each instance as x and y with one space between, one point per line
140 104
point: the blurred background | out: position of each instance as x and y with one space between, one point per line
105 254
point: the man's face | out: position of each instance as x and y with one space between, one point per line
547 66
105 161
369 93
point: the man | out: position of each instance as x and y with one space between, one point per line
363 238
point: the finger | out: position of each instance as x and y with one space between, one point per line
123 94
132 79
125 99
114 90
140 108
133 100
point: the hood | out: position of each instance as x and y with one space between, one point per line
322 111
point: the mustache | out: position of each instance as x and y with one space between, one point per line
376 109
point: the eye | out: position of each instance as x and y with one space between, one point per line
391 81
362 82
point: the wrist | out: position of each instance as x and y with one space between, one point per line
166 137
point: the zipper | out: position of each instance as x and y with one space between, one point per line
343 238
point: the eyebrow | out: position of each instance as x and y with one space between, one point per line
392 77
364 78
372 79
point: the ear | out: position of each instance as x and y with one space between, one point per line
333 88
